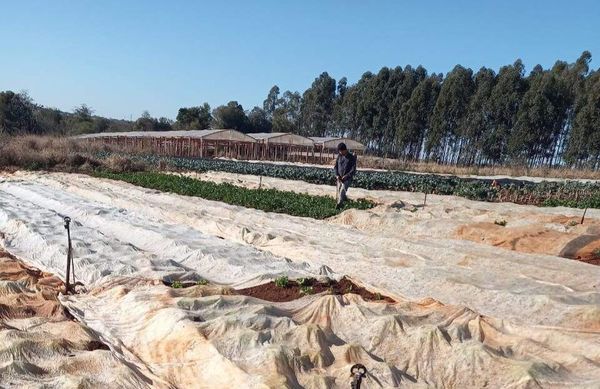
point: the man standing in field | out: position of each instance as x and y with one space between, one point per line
345 167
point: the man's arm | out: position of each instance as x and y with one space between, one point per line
335 167
352 169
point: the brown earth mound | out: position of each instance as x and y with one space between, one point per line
40 343
585 248
559 235
38 297
12 269
295 289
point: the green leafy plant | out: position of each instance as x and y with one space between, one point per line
573 223
282 281
306 290
546 193
349 289
500 222
303 281
177 285
596 253
378 296
202 281
270 200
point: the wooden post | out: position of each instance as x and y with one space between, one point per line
583 216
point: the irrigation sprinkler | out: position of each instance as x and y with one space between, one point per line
67 221
357 372
583 216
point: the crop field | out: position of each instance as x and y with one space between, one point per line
572 194
183 272
270 200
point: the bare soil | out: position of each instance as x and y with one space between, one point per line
585 248
577 241
294 290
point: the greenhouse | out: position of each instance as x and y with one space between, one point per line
226 143
194 143
326 147
282 146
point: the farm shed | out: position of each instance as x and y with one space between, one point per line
282 146
326 147
195 143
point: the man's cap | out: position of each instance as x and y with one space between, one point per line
342 146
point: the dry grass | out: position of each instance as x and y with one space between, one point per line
120 164
32 152
512 171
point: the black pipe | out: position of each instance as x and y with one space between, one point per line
69 249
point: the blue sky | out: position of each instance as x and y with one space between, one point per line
123 57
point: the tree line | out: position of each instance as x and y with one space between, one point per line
548 117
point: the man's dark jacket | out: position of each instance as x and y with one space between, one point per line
345 165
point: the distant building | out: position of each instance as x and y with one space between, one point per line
213 143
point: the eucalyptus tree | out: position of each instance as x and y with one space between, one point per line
231 116
271 102
584 143
194 118
259 121
478 120
415 117
505 101
445 140
541 117
287 116
317 106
